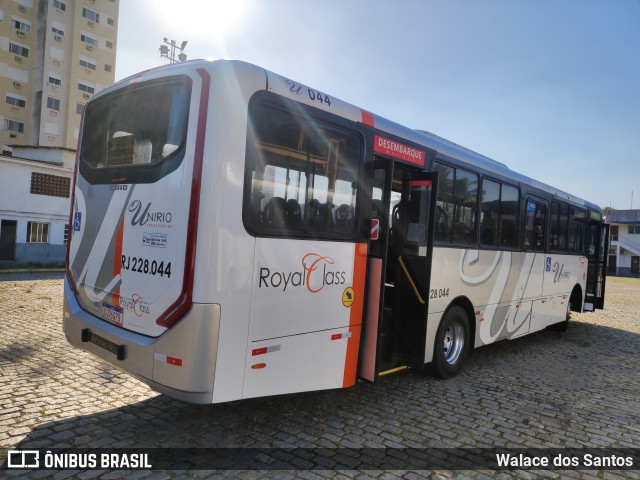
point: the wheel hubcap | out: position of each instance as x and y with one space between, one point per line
453 343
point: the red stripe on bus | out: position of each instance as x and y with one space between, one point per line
183 303
355 316
367 118
70 276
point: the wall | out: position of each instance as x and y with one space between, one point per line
19 204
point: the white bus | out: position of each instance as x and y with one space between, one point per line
237 234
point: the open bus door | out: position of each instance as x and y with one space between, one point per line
597 253
413 242
399 269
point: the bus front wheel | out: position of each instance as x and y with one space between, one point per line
452 343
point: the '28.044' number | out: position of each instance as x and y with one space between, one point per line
439 293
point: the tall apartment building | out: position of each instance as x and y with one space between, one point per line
54 55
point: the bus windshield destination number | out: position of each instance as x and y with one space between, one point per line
144 265
314 95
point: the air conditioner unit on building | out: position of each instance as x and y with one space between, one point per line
57 38
20 33
89 47
18 59
22 8
91 24
86 95
13 135
17 84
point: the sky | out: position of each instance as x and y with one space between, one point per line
549 87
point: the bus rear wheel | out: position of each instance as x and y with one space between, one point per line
452 343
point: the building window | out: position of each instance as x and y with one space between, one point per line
109 44
79 108
59 5
19 50
37 232
87 64
634 229
90 15
21 25
50 185
56 54
53 103
107 68
11 99
13 125
86 88
51 128
88 40
55 81
110 21
57 31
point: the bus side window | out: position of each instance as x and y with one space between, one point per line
456 205
302 175
534 239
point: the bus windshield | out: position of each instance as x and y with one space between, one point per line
134 129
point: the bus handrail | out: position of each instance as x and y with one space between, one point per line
413 285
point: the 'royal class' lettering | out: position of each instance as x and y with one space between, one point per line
316 274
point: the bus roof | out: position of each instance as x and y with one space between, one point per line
289 88
467 156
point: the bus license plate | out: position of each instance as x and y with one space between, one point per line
112 314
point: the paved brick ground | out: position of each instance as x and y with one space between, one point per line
547 390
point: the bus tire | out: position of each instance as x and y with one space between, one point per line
452 343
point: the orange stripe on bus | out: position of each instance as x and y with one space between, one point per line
355 316
367 118
117 261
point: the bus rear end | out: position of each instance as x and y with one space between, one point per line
131 256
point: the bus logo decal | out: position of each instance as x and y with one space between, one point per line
315 275
151 219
